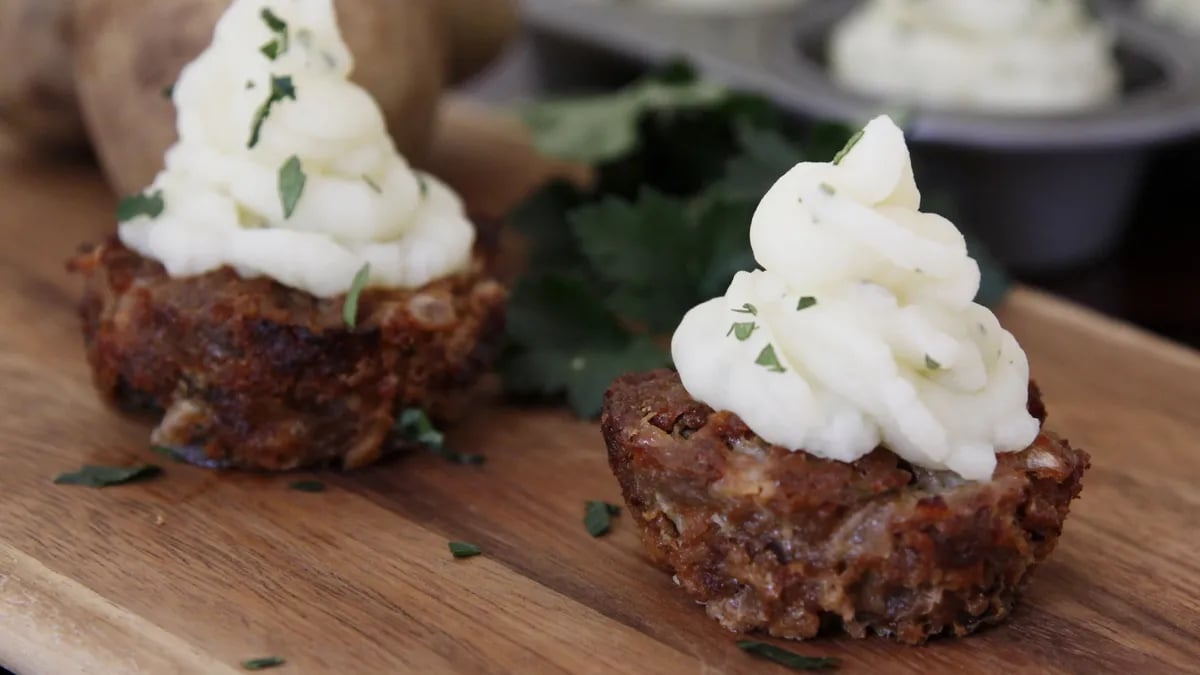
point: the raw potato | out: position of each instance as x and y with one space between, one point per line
129 51
37 88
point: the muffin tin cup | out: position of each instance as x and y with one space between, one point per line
1044 192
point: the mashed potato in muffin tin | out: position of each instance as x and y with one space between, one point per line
1180 12
284 167
861 329
1007 56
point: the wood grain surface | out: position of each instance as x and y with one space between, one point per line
196 571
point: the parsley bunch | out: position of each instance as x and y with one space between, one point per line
681 165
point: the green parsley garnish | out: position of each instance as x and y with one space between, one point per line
372 184
350 306
149 205
805 302
307 486
461 549
262 663
414 425
276 47
742 330
837 159
291 185
827 189
786 658
281 88
747 309
424 186
768 359
603 128
931 364
103 476
597 517
168 91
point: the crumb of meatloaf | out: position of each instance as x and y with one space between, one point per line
250 373
785 542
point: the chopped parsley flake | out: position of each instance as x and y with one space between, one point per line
742 330
461 549
768 359
262 663
149 205
828 189
805 302
279 45
837 159
597 517
350 307
786 658
281 88
747 309
414 425
291 185
423 186
372 184
931 364
103 476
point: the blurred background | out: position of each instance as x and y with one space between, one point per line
1061 135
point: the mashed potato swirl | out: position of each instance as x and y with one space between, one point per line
861 328
222 188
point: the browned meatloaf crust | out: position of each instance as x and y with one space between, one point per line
790 543
250 373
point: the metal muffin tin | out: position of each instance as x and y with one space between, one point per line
1043 192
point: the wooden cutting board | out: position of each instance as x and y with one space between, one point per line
196 571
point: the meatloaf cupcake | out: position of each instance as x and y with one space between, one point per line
288 283
850 440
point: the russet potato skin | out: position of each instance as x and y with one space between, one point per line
93 72
37 89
